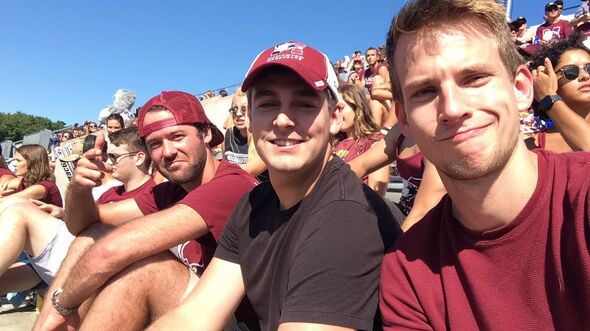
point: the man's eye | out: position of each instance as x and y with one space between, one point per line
477 79
424 92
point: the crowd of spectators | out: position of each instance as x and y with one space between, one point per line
149 198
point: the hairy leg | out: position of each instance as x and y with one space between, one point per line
139 294
78 247
19 277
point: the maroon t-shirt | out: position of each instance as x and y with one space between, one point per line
118 193
531 274
350 148
213 201
4 171
411 170
559 30
52 195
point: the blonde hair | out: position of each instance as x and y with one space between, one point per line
425 17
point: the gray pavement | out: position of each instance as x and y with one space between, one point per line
18 319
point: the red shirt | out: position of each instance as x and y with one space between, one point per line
559 30
213 201
350 148
531 274
52 195
4 171
118 193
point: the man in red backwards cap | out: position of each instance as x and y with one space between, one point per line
130 273
307 245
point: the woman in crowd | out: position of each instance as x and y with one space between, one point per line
562 69
358 133
5 173
34 178
114 123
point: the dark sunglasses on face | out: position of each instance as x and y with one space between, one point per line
234 110
114 158
572 72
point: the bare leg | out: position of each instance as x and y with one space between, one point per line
78 247
24 227
139 294
19 277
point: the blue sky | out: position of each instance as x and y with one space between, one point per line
65 59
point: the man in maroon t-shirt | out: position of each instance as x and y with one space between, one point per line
507 248
130 273
554 28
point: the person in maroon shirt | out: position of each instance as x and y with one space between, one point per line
36 227
130 275
507 247
553 29
34 178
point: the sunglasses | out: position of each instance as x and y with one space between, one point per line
234 110
572 72
115 159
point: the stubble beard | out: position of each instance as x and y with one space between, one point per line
464 170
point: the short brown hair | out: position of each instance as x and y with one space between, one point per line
130 137
423 17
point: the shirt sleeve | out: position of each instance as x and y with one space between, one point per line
333 278
400 308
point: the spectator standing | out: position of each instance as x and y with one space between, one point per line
554 28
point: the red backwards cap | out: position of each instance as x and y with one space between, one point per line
311 65
185 108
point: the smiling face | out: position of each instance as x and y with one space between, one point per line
291 124
460 103
576 92
179 151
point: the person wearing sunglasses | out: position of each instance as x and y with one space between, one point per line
554 28
562 90
236 137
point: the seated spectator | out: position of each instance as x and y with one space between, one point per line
162 240
554 28
115 123
38 230
358 133
34 178
306 246
5 173
562 90
236 137
507 247
524 34
65 136
357 74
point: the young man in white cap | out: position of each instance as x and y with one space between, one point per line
306 246
129 275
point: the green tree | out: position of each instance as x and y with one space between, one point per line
15 126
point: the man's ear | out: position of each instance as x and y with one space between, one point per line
207 136
523 88
336 119
139 158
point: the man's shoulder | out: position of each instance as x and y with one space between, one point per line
227 171
421 239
